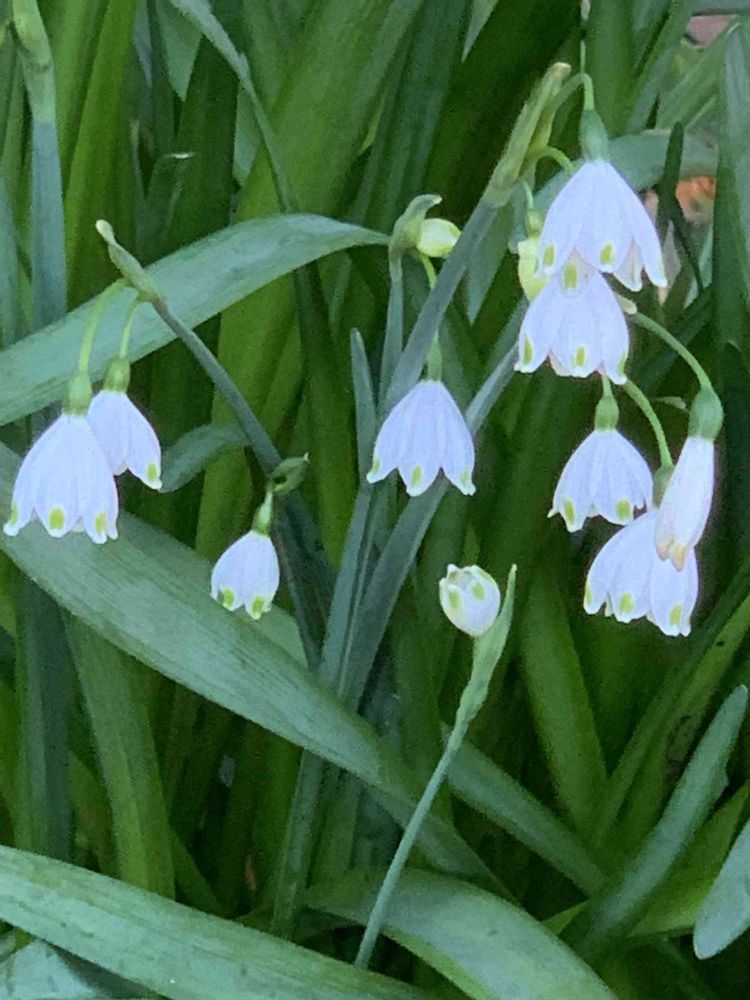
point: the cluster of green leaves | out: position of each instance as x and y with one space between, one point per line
196 806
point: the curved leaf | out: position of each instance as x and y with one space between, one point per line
171 949
489 948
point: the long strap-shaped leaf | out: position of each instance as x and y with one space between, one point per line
198 281
149 595
173 950
489 948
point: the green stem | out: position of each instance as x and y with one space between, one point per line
130 320
93 325
434 362
643 404
553 153
429 270
646 323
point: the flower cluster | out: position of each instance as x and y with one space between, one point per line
597 226
66 480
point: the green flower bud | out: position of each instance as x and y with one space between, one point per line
606 414
437 237
593 136
706 415
288 475
117 378
127 265
78 394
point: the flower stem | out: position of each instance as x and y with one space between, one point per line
643 404
646 323
93 325
553 153
434 362
125 341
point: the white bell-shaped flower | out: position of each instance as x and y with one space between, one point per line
423 433
600 217
470 598
631 581
127 438
66 483
247 574
687 499
605 476
577 323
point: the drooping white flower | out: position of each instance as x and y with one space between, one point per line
470 598
247 573
631 581
126 437
423 433
577 323
599 216
604 476
66 483
687 499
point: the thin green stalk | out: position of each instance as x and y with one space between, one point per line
646 323
128 329
487 651
643 404
87 344
553 153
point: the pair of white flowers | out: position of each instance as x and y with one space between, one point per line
596 225
67 478
648 568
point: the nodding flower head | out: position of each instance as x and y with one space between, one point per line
470 598
600 217
686 504
605 476
66 483
577 323
127 439
247 574
629 579
422 434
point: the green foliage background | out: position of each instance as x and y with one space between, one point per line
195 806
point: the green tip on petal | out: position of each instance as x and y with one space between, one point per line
454 598
13 519
675 615
627 604
549 255
579 358
152 473
478 591
257 608
57 519
226 597
569 512
621 364
607 254
570 277
100 524
624 510
528 350
416 476
588 596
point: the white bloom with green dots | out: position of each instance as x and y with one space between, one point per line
424 433
247 574
606 476
470 598
630 581
599 216
126 437
66 483
576 322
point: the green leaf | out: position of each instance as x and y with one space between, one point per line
149 595
113 693
489 948
622 900
175 951
39 972
725 914
479 782
734 117
190 455
198 281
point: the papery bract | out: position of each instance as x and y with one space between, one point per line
126 437
66 483
600 217
247 573
423 433
604 476
629 579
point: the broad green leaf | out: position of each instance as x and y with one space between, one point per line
39 972
734 117
489 948
479 782
725 913
149 595
614 910
198 281
171 949
190 455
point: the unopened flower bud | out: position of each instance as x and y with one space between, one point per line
470 598
531 282
437 237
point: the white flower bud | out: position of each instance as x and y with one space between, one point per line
437 237
470 598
